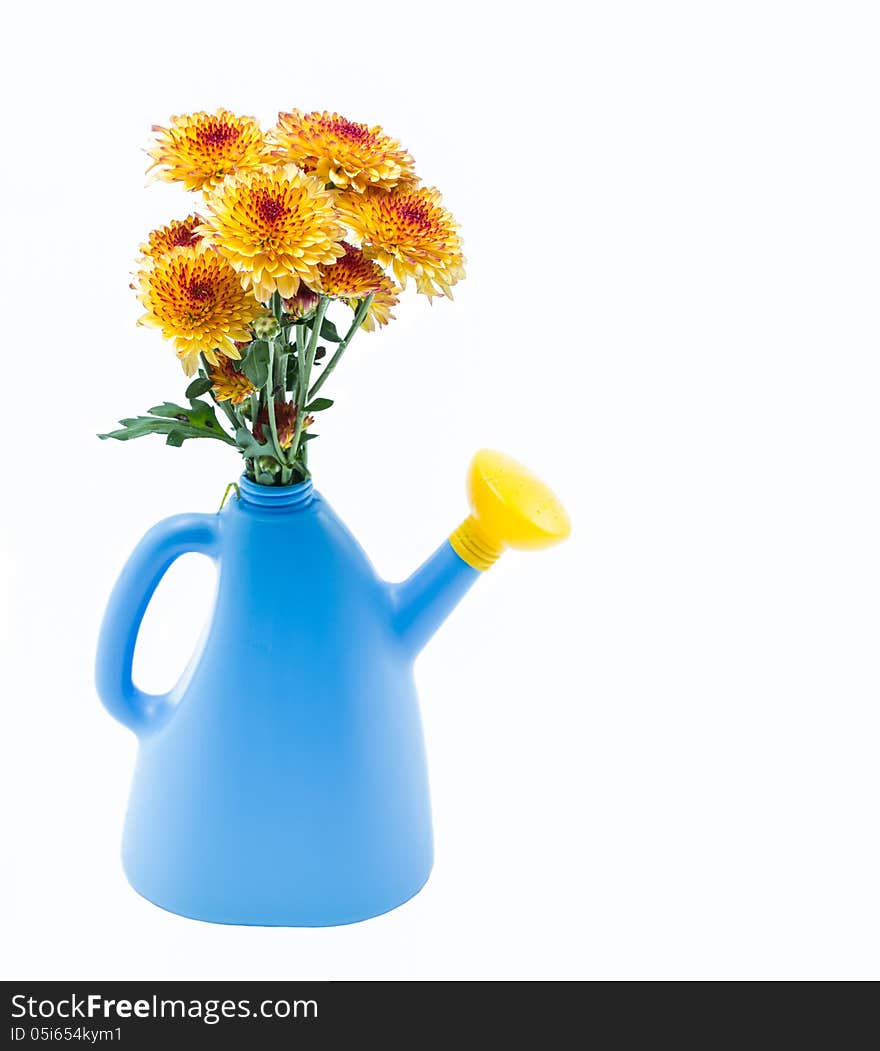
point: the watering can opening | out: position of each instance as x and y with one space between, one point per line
511 507
276 497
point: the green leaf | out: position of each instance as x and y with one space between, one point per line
319 404
199 413
202 413
175 421
328 331
249 446
255 364
138 426
307 436
197 387
170 411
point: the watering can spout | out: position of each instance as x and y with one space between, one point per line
510 507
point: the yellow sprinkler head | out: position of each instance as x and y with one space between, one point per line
511 508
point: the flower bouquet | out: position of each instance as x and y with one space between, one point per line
320 212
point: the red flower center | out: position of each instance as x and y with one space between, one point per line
185 237
219 134
347 129
200 293
270 209
414 212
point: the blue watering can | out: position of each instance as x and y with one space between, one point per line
282 781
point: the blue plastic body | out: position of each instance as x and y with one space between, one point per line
283 780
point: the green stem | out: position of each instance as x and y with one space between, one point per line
270 395
305 369
281 371
277 305
231 414
232 485
359 315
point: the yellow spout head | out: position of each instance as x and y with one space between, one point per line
511 508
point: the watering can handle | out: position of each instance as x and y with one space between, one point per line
148 563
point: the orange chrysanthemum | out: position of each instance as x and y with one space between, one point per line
201 149
228 383
410 229
354 277
181 233
285 423
341 152
276 226
195 298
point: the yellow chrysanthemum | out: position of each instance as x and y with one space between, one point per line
228 383
354 277
201 149
181 233
339 151
410 229
195 298
276 226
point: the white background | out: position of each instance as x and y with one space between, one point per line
653 750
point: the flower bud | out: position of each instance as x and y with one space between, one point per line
266 327
304 302
268 465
